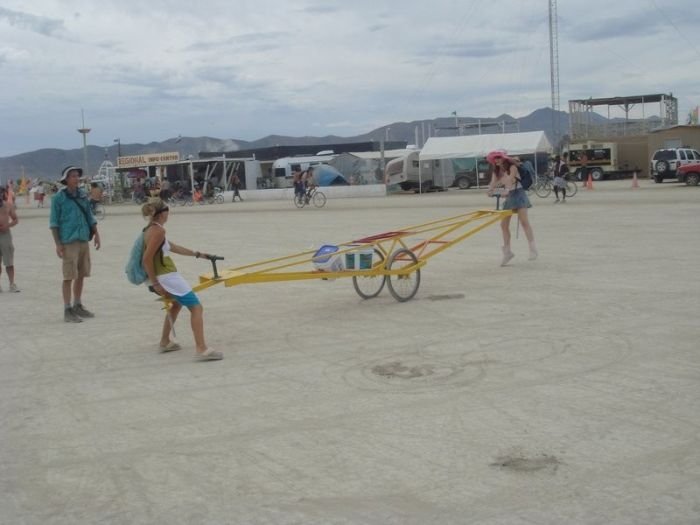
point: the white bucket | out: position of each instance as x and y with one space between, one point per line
359 260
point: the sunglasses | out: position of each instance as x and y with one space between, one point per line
162 210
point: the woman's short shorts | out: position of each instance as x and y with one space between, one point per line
517 199
189 299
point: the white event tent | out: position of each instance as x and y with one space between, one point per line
480 145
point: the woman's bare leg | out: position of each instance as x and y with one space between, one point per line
527 228
170 318
197 322
505 229
525 223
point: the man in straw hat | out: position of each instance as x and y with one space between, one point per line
73 225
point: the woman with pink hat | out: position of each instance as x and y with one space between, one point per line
505 175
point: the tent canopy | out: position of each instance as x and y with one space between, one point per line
326 175
480 145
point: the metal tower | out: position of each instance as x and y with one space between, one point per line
554 70
84 131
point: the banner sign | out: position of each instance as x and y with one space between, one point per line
148 159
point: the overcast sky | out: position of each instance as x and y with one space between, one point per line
150 70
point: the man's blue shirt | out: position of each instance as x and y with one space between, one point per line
67 217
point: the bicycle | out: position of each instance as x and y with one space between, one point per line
542 186
314 196
217 196
571 188
180 198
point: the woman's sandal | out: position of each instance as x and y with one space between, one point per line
170 347
209 355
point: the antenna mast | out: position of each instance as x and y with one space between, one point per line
554 70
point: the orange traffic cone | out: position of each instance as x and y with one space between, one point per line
635 182
589 182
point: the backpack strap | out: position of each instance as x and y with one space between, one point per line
91 227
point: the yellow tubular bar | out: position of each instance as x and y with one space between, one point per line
441 234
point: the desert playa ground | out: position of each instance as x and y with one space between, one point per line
560 391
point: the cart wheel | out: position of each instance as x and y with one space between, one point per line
371 286
403 287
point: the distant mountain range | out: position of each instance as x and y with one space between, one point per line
47 163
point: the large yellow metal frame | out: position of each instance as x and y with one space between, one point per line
442 234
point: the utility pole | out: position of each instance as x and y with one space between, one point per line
554 70
84 131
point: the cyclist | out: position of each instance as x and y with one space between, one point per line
561 171
309 183
298 182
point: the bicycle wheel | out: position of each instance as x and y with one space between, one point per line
319 199
99 211
299 200
543 189
370 286
219 199
404 286
571 188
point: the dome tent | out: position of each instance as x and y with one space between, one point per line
326 175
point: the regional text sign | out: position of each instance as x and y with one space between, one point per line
148 159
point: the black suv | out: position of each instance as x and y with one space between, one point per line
665 162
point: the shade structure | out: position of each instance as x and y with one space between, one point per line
481 145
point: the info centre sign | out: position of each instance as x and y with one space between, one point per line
148 159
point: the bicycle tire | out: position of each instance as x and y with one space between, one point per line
571 188
299 200
370 286
319 199
544 189
403 287
219 199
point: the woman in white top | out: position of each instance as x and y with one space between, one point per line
167 281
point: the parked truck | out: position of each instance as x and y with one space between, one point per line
606 160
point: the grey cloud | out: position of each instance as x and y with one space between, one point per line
484 49
377 27
320 9
636 24
38 24
251 42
